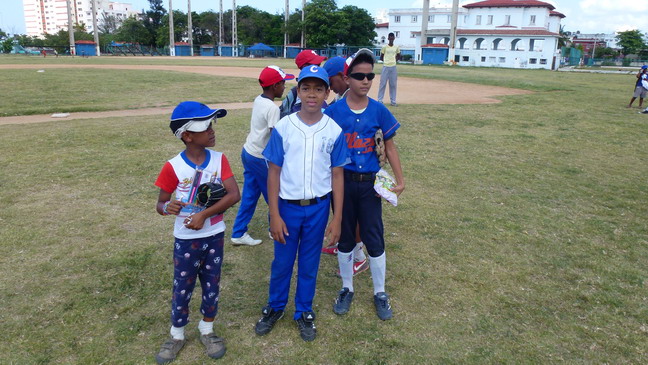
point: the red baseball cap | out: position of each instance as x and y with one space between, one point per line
308 56
272 75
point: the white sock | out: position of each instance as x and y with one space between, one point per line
205 328
358 254
378 266
177 333
345 260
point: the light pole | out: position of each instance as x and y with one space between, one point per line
285 52
70 28
453 30
171 33
94 27
234 31
190 28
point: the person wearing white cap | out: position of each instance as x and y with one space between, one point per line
199 228
265 114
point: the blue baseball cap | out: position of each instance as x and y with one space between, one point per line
644 67
315 72
334 66
193 116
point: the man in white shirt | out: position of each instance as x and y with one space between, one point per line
390 55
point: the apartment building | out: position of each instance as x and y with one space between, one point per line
50 16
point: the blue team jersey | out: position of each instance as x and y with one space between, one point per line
359 131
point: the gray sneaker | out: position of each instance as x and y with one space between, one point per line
343 301
169 351
214 345
383 308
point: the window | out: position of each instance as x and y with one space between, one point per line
465 19
478 20
533 18
490 20
414 18
430 18
397 34
412 35
465 58
535 45
533 61
449 18
492 59
543 61
502 60
462 43
483 59
397 19
507 20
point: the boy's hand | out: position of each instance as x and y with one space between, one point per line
195 222
175 206
278 229
333 233
398 189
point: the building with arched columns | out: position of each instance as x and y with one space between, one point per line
490 33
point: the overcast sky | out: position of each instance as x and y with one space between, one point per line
588 16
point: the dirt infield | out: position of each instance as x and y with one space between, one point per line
410 90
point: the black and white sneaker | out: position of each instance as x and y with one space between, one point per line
343 301
383 307
306 325
270 317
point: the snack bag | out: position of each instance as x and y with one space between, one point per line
383 184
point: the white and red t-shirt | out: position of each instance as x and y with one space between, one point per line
178 175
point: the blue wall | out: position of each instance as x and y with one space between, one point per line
434 56
84 49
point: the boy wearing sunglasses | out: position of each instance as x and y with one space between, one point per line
360 117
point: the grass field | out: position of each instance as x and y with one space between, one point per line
521 236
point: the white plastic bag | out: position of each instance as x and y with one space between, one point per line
383 185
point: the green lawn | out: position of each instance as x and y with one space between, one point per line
521 237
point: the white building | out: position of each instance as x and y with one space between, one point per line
492 33
50 16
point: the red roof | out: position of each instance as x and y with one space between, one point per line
510 4
84 42
505 32
555 13
181 43
382 25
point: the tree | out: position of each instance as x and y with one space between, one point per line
180 23
563 37
153 19
631 41
133 31
321 23
604 52
108 24
356 27
258 26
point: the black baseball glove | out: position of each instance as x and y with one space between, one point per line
210 193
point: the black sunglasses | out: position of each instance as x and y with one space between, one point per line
361 76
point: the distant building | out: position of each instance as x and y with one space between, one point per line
603 40
492 33
50 16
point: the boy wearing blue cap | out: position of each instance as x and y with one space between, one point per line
198 229
306 153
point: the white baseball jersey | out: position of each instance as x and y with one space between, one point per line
265 114
306 154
